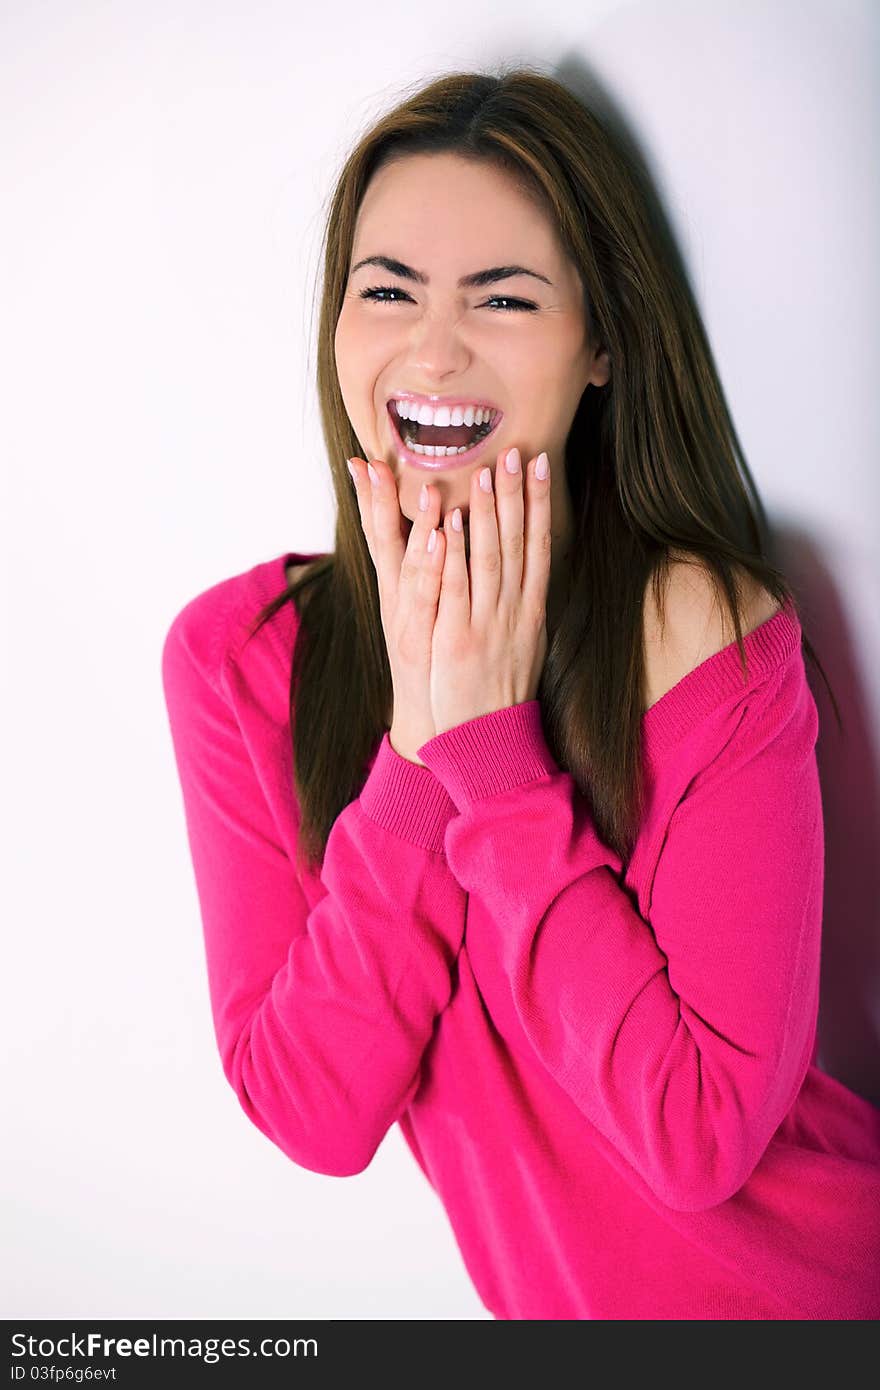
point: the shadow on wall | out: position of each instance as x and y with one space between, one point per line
848 1034
848 1039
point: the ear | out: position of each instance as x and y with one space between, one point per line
600 373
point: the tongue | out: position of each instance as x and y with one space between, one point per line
453 436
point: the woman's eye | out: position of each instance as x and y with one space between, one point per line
374 291
518 304
513 305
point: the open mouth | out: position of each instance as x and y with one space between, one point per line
457 443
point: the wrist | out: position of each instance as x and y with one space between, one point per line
405 747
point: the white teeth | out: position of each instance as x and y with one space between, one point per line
435 450
482 417
438 451
443 415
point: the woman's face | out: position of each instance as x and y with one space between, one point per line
518 344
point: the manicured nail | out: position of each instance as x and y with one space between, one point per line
486 479
542 467
351 470
511 463
456 519
423 498
374 476
432 540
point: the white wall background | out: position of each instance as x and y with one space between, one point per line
165 168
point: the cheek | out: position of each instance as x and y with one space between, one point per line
553 396
361 357
534 374
345 347
353 368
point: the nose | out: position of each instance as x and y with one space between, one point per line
437 349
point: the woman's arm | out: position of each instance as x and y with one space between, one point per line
685 1039
321 1017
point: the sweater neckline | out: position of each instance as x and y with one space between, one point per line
682 707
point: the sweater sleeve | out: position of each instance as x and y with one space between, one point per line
684 1039
321 1017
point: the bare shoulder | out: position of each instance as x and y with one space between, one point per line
692 625
294 571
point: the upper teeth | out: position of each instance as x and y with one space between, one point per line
442 415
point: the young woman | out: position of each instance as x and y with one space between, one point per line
505 815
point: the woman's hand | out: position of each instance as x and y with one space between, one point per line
490 635
408 594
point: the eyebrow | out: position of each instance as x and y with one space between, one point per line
477 280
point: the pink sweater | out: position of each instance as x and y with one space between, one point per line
605 1070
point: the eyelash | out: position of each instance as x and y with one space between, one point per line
519 305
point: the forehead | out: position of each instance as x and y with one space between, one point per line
448 209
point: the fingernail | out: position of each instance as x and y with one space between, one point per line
456 519
432 540
486 479
351 470
511 463
542 467
374 476
423 498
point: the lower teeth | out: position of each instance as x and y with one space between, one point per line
442 450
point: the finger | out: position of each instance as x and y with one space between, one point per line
454 606
390 545
416 544
510 510
538 538
485 547
358 470
427 591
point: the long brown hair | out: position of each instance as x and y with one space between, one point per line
653 465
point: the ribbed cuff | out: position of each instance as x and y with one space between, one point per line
491 754
406 799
